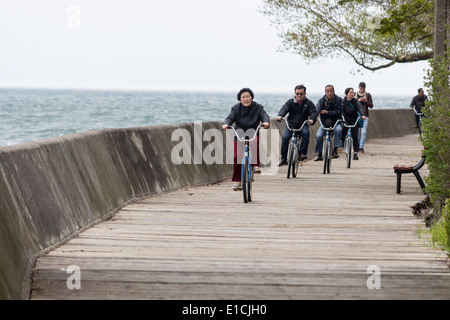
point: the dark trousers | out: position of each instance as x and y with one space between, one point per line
239 153
417 119
354 136
304 135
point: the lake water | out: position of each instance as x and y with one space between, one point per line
36 114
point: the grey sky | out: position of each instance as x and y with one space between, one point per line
182 45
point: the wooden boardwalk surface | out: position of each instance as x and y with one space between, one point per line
313 237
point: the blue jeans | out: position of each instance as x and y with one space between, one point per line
363 133
321 133
304 134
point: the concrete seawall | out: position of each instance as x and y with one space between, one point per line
53 189
382 124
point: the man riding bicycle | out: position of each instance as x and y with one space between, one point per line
330 109
418 102
299 109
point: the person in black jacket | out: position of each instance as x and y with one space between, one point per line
246 115
330 110
418 102
299 109
350 108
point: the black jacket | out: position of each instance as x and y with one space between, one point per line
298 113
418 102
334 108
247 117
349 112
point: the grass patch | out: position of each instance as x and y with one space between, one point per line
440 229
437 220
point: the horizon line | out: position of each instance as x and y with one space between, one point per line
167 89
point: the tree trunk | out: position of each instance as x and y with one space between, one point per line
448 22
442 18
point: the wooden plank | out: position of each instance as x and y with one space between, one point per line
312 237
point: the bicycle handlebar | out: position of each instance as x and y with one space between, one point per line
418 113
243 139
349 126
329 128
295 130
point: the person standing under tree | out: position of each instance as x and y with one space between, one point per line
366 101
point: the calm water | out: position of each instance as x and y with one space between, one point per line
36 114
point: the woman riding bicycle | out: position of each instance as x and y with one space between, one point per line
350 110
246 115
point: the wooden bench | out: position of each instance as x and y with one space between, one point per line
401 169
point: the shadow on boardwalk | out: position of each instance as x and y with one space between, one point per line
314 237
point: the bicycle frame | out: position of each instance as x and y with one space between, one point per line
419 114
294 136
246 140
349 126
246 170
326 150
248 158
327 136
349 140
293 149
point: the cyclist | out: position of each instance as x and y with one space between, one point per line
246 115
418 102
330 109
350 108
299 109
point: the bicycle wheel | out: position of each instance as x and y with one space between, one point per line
420 130
289 159
329 157
249 184
325 156
295 161
245 181
345 146
348 150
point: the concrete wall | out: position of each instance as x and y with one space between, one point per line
53 189
382 124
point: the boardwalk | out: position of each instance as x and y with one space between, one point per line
313 237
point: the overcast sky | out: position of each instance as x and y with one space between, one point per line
178 44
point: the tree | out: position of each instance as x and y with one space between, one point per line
376 34
437 120
442 18
437 127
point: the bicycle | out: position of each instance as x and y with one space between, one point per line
419 114
326 150
247 171
293 149
348 143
